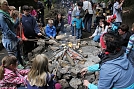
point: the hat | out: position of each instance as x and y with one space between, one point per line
77 13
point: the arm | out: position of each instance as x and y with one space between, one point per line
35 25
96 31
14 79
47 31
130 44
54 31
23 72
93 68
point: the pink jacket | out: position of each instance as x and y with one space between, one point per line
13 78
33 13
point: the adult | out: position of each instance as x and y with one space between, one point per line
9 38
87 6
117 10
40 11
78 8
114 67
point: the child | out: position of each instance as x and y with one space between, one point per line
50 30
33 12
39 76
59 23
102 28
77 25
69 16
31 30
130 45
10 77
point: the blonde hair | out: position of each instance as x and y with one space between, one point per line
2 1
6 62
39 71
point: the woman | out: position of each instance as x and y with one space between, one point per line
9 39
116 71
59 23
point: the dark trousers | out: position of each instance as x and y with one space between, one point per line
88 22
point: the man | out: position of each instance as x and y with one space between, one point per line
87 6
40 10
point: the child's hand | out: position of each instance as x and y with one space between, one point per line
39 34
90 37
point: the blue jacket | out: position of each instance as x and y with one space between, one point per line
79 23
115 74
30 26
50 31
7 26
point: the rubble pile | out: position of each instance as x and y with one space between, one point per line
66 61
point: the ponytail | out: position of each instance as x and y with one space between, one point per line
1 72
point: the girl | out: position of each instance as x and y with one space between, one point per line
69 16
59 23
102 28
10 77
39 76
33 12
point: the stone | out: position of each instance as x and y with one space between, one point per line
75 82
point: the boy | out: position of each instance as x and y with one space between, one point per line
50 30
31 29
77 25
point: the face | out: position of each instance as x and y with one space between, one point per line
26 12
79 7
5 6
51 25
13 66
59 16
121 32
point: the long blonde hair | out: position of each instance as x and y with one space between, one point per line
39 71
6 62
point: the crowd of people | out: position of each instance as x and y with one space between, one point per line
115 39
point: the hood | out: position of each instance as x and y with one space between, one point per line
120 61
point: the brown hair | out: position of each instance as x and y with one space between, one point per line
15 14
6 62
124 27
39 71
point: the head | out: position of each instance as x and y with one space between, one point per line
37 74
9 62
15 14
50 22
132 27
26 9
80 5
31 7
59 16
36 0
110 42
123 29
4 5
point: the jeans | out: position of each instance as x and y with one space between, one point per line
96 38
10 46
76 32
88 22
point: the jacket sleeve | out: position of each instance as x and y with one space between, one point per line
96 30
92 86
14 79
130 44
93 68
36 27
109 74
23 72
54 31
47 31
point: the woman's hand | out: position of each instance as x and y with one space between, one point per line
85 83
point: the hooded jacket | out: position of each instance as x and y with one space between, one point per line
115 74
